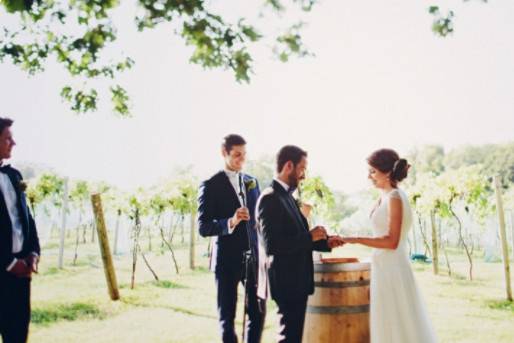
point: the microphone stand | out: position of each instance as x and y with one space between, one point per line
248 259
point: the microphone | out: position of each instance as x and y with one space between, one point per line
241 192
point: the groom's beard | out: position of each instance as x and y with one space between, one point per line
294 181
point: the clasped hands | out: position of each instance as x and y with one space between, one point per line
23 268
320 233
241 214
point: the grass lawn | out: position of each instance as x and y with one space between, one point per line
72 305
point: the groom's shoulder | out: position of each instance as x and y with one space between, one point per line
14 171
268 194
214 178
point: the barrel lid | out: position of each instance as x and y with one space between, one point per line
339 260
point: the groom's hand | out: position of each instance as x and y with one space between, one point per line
32 261
241 214
21 269
318 233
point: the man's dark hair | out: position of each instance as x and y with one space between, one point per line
5 122
289 153
232 140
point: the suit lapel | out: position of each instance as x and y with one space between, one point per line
3 209
230 189
289 204
20 203
295 211
248 193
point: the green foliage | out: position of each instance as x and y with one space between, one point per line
220 45
493 160
17 5
341 210
262 169
82 101
313 191
167 284
138 204
48 186
79 191
442 25
79 194
464 188
469 186
501 162
290 44
501 305
184 195
277 5
72 312
120 100
468 155
508 197
76 33
158 204
428 159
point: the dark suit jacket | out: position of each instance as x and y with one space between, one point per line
217 202
286 269
30 237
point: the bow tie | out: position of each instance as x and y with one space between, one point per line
291 190
4 168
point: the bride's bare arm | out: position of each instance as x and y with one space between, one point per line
391 240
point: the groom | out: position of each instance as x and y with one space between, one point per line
286 245
19 246
226 207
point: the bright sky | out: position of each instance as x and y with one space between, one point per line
380 78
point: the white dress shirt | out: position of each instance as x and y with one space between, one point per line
10 198
233 177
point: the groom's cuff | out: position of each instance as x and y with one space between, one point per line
230 229
225 228
9 267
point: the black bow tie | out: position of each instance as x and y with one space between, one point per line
4 168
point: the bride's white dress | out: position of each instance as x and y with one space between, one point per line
397 311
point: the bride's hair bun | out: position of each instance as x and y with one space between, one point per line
388 161
400 170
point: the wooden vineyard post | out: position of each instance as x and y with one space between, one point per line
503 236
435 256
63 224
103 240
512 231
117 233
192 240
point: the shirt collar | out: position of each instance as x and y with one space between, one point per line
232 174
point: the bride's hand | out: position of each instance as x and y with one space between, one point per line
335 241
349 240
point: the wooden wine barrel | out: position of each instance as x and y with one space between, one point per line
338 311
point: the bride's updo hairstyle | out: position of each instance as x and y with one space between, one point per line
388 162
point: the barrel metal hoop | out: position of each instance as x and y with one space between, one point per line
341 284
341 267
338 309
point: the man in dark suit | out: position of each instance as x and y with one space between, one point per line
286 244
226 207
19 246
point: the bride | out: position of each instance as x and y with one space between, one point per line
397 312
